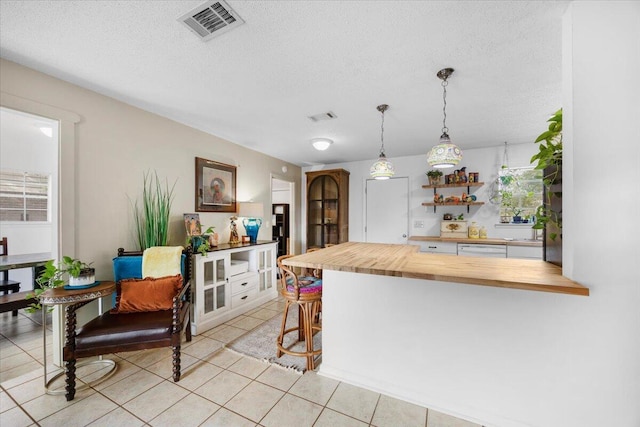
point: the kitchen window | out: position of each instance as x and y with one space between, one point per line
520 191
24 196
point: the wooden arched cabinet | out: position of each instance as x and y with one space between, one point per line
327 207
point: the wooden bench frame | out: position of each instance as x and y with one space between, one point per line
15 301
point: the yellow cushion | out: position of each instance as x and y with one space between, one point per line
161 261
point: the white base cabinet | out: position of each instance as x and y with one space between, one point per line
512 250
525 252
219 296
439 247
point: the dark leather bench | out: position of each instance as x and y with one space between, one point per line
15 301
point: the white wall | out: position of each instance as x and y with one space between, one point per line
496 356
485 161
601 65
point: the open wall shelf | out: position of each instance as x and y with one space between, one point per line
468 185
461 184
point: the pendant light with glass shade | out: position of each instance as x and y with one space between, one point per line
446 154
382 168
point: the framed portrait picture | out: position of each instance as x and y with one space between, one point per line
215 186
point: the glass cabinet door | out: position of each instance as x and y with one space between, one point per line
322 212
265 269
214 284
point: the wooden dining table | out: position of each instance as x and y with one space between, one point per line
34 261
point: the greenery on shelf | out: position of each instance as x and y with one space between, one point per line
152 218
53 276
434 176
201 243
509 203
549 159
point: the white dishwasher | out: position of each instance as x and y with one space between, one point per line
487 251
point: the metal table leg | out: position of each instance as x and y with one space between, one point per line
106 362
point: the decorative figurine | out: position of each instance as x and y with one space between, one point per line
451 178
233 237
462 175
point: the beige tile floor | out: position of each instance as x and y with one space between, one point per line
218 387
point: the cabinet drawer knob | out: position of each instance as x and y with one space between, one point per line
244 297
244 284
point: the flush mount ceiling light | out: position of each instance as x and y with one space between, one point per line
382 168
321 144
446 154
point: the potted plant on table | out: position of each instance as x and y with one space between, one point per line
76 272
204 242
434 176
517 219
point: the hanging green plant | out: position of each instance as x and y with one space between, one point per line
152 218
549 159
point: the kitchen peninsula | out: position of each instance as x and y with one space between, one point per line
408 324
405 261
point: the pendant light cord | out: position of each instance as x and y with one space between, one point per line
505 157
445 129
382 135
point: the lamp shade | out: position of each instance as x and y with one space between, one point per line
382 168
444 155
251 210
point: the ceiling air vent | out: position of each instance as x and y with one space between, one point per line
323 116
211 19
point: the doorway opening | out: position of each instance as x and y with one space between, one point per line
28 186
283 213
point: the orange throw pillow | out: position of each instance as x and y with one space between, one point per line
149 294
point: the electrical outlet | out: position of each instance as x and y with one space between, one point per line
418 224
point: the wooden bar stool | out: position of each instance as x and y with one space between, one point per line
306 292
7 285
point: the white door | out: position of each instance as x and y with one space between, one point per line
387 210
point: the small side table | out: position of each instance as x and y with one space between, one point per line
59 296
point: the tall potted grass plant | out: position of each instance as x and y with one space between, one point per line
152 215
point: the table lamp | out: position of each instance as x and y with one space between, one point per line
251 213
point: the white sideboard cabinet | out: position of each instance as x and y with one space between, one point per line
231 280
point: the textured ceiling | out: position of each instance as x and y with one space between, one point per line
256 85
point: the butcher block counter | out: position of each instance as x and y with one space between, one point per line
406 261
